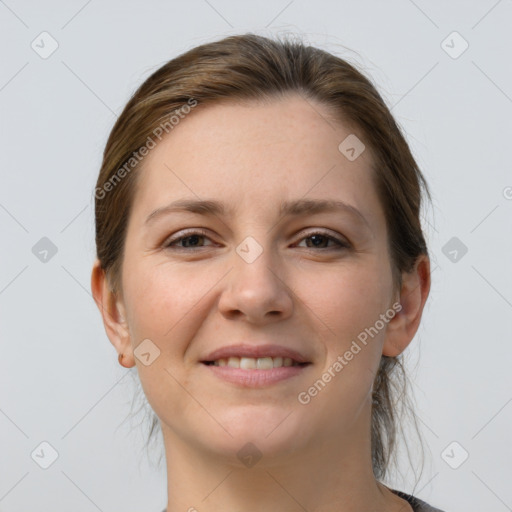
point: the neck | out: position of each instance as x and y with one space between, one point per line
329 474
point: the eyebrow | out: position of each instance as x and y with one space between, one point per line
288 208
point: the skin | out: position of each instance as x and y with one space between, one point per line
193 300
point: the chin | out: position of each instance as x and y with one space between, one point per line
271 433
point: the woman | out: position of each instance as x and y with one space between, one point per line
262 264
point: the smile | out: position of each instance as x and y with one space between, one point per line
252 363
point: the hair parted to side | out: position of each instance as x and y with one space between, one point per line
253 67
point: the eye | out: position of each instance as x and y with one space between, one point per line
191 240
196 238
319 239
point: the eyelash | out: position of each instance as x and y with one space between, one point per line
341 244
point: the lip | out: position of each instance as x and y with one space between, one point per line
255 351
255 378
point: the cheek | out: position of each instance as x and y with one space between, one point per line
347 299
346 306
165 302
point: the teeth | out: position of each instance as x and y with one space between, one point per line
247 363
252 363
262 363
277 361
234 362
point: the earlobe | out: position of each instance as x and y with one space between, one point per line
113 314
413 296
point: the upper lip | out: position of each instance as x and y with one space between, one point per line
255 351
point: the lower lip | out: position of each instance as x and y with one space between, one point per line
255 378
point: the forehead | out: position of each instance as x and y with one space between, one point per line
257 154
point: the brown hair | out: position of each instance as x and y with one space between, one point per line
252 67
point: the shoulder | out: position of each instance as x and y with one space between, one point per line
416 504
425 507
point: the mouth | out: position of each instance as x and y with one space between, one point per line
252 363
255 366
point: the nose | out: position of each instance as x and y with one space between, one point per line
256 290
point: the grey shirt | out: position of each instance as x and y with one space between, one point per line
416 504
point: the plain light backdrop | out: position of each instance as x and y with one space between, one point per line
443 67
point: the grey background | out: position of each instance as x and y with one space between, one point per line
60 380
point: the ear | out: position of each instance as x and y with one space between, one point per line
113 313
413 296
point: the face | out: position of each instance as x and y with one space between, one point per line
265 274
